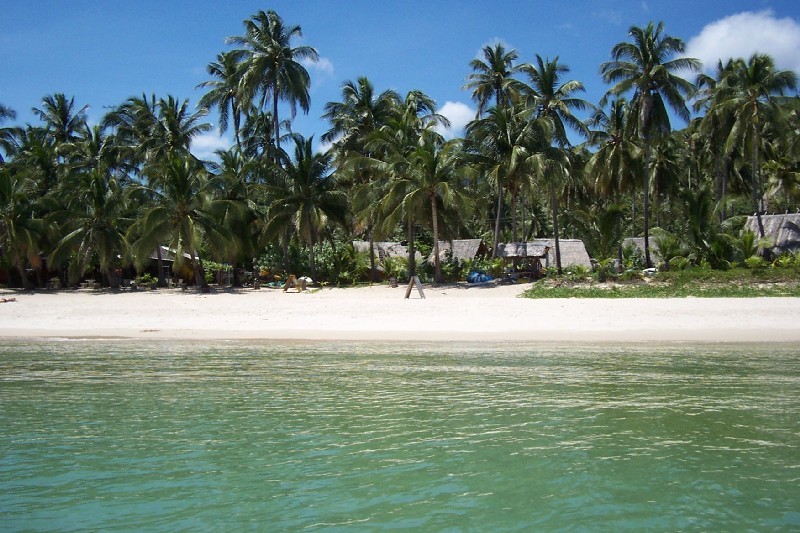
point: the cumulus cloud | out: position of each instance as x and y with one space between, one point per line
204 145
459 115
743 34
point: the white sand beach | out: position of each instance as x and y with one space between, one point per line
379 312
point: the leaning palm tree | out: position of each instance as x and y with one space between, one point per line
753 89
309 200
271 68
6 134
646 66
493 79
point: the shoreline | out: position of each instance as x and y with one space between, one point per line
378 313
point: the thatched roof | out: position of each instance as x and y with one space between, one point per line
462 249
515 250
573 253
167 255
782 230
638 244
385 249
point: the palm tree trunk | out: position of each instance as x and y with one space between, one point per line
497 222
647 261
199 271
412 261
554 206
756 187
514 196
437 266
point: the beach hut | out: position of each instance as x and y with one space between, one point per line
461 249
638 244
524 258
783 231
573 253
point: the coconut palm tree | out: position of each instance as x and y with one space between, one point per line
310 199
271 68
225 93
181 212
647 66
492 78
6 134
554 100
354 120
752 92
62 121
94 222
21 231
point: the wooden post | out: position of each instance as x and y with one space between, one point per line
414 280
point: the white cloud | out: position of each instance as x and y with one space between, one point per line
459 115
204 145
322 66
743 34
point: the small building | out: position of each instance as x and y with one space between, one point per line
783 231
525 258
637 243
461 249
573 253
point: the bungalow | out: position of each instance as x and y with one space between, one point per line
783 231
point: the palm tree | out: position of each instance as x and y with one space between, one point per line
616 162
271 67
21 231
753 89
493 78
182 212
61 119
95 223
434 180
354 120
225 93
6 134
392 147
310 199
555 101
645 67
502 144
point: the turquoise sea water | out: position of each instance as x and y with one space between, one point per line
107 435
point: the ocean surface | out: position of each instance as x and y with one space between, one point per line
178 436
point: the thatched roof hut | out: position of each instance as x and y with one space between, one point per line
519 250
573 253
461 249
638 244
385 249
782 230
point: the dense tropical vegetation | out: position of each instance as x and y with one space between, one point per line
112 199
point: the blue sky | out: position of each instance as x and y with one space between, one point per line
103 52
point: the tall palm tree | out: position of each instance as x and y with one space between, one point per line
554 100
271 67
435 179
502 144
225 93
616 162
493 78
310 199
753 91
354 120
647 67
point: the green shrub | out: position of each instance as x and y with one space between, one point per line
756 263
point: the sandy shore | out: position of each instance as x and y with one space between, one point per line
379 312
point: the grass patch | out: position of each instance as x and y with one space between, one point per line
698 283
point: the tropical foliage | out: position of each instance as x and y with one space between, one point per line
116 199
